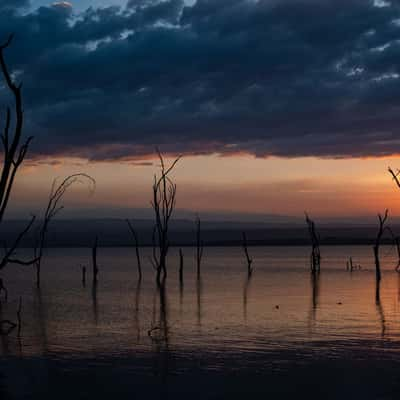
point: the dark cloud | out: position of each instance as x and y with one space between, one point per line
268 77
13 4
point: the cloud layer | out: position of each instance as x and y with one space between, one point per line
267 77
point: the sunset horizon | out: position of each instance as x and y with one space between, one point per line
199 199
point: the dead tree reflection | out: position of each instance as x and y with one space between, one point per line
381 231
315 291
379 307
137 251
246 288
199 246
159 331
6 327
397 243
137 308
95 306
246 252
159 334
315 257
41 317
95 267
199 299
398 288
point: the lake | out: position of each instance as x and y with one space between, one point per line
280 333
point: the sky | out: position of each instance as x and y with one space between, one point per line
277 106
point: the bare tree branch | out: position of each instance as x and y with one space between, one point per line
14 153
246 252
199 245
315 257
136 240
163 203
53 208
381 230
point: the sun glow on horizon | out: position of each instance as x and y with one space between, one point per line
326 187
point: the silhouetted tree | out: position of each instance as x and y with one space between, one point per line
199 246
163 203
3 289
52 209
395 176
83 276
381 231
180 266
19 319
136 240
14 152
94 260
246 252
397 242
315 258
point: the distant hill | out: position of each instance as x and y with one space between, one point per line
114 232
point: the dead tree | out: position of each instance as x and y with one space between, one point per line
246 252
350 265
3 289
163 203
94 260
136 240
199 246
19 319
381 231
397 242
52 209
315 257
395 176
14 152
180 266
83 276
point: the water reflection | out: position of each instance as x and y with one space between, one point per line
159 335
199 294
379 307
40 307
398 288
3 335
144 317
315 287
246 288
95 302
137 309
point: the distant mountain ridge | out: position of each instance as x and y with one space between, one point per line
115 232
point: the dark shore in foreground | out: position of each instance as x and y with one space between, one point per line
367 370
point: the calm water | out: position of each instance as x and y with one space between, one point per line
224 322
